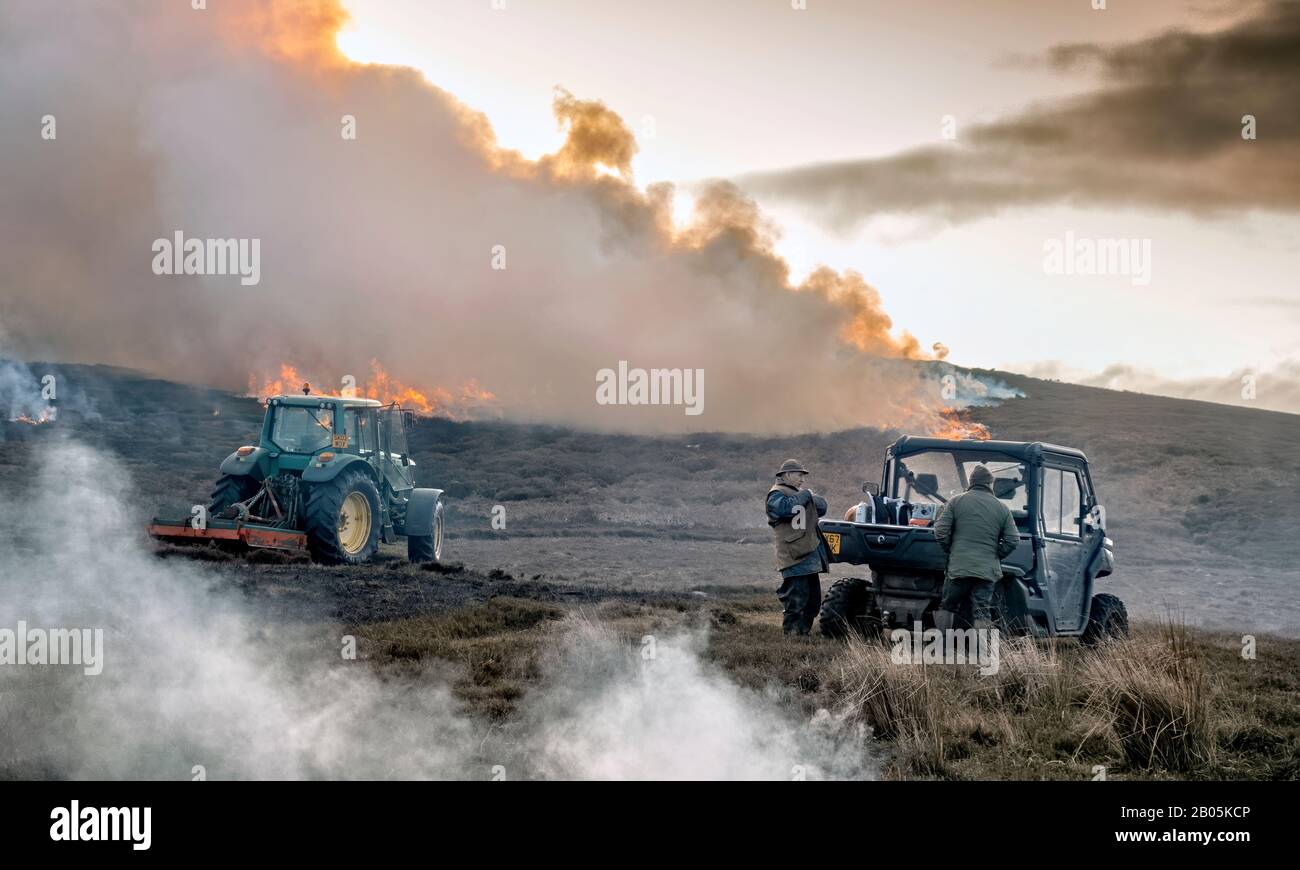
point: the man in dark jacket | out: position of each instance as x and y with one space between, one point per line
977 532
801 555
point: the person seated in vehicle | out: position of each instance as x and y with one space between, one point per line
977 531
801 554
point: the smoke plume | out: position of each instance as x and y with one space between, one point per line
419 243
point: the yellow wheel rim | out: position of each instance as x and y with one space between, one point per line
354 523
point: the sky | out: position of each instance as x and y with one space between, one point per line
769 95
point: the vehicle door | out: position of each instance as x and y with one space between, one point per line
1062 505
395 462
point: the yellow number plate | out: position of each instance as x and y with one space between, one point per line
339 442
833 541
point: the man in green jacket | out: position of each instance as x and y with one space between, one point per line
977 532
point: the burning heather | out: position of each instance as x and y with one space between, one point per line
471 401
955 424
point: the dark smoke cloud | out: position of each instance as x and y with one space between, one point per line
226 123
1162 131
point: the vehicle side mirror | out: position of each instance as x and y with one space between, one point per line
408 420
871 489
1095 519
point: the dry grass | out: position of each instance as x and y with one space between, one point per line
1158 700
1170 703
1142 708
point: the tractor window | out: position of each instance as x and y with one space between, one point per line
360 430
1062 502
296 429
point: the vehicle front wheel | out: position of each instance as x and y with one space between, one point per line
1107 620
427 548
342 519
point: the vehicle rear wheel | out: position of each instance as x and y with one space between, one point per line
427 548
229 490
342 519
849 607
1107 620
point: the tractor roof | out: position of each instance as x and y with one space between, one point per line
1024 450
312 401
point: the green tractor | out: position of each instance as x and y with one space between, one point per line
330 476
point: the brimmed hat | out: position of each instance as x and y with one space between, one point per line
791 465
981 476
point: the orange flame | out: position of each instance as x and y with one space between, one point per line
387 389
471 398
287 382
956 425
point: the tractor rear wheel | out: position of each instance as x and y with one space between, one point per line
342 519
1107 620
229 490
427 548
848 608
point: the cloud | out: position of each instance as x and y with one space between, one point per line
1162 130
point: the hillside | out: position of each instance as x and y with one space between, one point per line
1201 498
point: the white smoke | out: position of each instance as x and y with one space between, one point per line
964 389
656 711
190 676
194 675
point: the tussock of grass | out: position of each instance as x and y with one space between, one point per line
1158 701
1145 707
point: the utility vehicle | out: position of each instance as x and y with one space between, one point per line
1047 585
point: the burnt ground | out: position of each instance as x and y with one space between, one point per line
290 587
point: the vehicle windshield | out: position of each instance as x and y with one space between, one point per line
296 429
935 476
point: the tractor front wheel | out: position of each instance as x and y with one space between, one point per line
342 519
427 548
